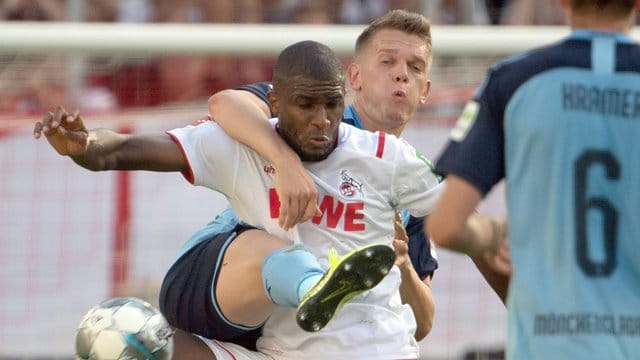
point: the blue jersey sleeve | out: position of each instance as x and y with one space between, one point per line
478 127
420 248
260 90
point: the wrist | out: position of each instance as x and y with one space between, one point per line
484 236
285 156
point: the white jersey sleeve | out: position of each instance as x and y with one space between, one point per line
212 156
414 185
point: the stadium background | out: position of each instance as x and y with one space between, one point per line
70 238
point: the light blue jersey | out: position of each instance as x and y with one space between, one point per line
562 124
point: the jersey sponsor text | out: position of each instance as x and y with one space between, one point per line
332 209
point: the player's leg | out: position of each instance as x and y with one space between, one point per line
187 346
227 284
239 291
230 351
187 297
216 289
261 271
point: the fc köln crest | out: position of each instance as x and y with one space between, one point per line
349 186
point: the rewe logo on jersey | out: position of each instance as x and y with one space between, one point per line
333 210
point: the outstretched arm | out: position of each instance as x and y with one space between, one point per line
103 149
244 117
413 291
455 225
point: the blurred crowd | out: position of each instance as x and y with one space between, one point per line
30 84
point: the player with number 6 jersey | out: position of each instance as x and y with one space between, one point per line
561 124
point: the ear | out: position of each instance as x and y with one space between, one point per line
354 76
425 92
273 100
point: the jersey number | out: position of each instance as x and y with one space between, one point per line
585 203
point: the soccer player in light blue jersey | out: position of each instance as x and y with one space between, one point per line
561 124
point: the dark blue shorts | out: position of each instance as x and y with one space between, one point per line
187 297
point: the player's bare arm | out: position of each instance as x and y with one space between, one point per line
413 291
495 267
243 116
103 149
473 234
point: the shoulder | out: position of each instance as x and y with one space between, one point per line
374 144
518 69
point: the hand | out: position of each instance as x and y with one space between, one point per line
401 242
65 132
297 193
498 256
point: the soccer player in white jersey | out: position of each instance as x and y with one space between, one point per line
390 102
390 79
364 180
561 125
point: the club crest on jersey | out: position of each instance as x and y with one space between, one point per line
349 186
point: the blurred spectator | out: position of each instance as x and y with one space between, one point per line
316 12
159 81
495 9
32 84
32 10
534 12
201 76
101 10
134 11
362 11
411 5
461 12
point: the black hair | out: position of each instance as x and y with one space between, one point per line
308 59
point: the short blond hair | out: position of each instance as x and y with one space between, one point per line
408 22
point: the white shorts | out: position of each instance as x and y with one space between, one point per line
228 351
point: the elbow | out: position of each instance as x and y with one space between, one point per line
423 330
219 99
425 323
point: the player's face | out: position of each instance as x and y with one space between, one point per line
309 114
390 80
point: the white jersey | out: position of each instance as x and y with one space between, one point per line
364 181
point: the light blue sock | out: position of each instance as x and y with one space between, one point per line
288 273
307 283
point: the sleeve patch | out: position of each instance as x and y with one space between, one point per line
465 121
429 164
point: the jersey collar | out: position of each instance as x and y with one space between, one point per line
350 116
587 34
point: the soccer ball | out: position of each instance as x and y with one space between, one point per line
124 328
